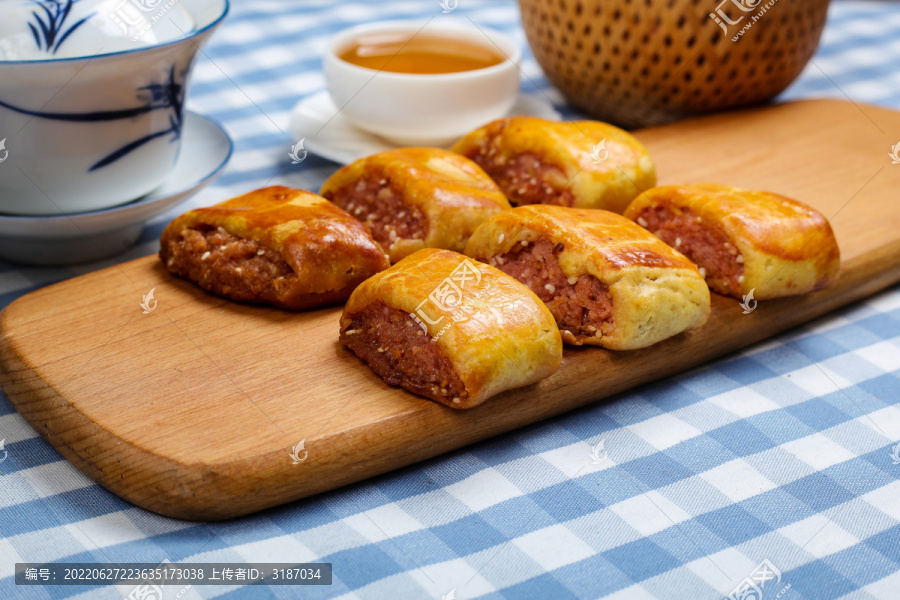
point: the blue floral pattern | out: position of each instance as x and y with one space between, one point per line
49 26
157 96
162 96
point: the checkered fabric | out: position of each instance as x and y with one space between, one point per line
787 452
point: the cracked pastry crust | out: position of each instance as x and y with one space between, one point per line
607 281
451 329
415 198
743 240
275 245
582 164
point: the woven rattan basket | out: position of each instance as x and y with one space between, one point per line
647 62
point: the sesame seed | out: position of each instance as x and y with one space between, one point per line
223 247
370 217
702 272
221 230
238 270
524 243
500 239
393 236
351 332
521 190
360 185
699 220
642 221
533 181
493 262
500 260
740 259
591 328
537 164
567 331
573 280
358 211
741 279
550 288
677 242
548 189
381 350
401 214
205 255
726 244
382 182
260 252
456 401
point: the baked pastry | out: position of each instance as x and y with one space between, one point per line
275 245
451 329
743 241
607 281
585 164
414 198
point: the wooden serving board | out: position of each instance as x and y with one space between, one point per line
193 409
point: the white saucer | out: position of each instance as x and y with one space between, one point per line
83 237
317 120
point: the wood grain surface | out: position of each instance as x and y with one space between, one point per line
192 410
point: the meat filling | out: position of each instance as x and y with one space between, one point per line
582 306
704 243
226 264
402 353
382 209
525 179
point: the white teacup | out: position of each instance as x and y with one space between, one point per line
422 109
85 129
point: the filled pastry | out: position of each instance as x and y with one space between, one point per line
414 198
743 240
275 245
607 281
584 164
451 329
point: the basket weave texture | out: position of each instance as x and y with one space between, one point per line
646 62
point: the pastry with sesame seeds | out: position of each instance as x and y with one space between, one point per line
607 281
582 164
743 240
414 198
451 329
275 245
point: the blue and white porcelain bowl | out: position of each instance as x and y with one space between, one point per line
92 98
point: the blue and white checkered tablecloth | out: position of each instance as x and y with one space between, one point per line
780 453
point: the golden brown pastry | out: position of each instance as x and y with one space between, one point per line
743 240
414 198
607 281
275 245
585 164
451 329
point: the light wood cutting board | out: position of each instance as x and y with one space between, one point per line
193 409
